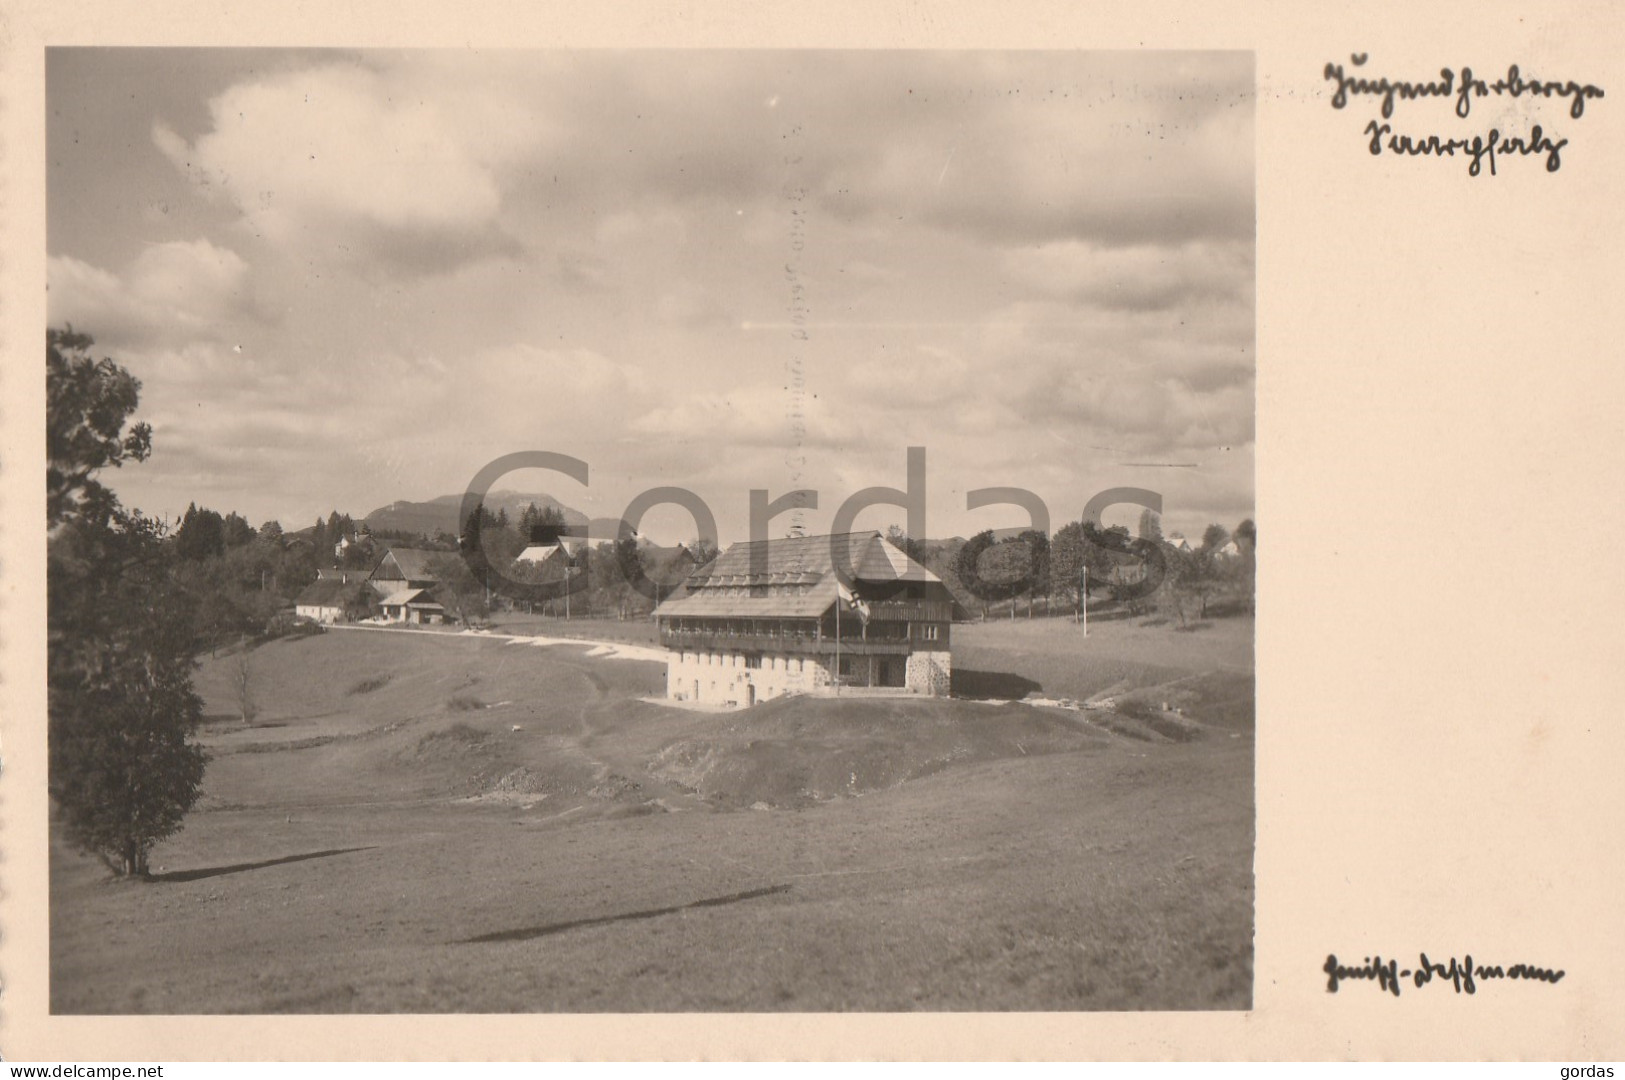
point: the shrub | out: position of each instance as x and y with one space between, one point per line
367 686
1139 710
464 703
287 624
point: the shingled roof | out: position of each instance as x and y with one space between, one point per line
789 578
330 592
413 563
808 559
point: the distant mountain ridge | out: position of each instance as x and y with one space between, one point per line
440 514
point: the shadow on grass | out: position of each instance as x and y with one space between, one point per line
526 933
1000 685
237 868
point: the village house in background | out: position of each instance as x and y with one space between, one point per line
404 568
562 551
413 606
400 584
403 579
772 618
335 596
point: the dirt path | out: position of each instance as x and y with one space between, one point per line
597 647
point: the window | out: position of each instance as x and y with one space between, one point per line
754 660
929 633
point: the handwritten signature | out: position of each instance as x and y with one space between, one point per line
1463 974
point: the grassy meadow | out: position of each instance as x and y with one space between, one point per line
428 822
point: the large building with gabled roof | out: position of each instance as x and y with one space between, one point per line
403 568
776 617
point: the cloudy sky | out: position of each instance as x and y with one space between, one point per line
350 278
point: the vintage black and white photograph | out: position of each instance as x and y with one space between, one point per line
650 530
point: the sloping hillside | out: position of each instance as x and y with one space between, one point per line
420 822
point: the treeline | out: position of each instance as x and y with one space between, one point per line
242 581
1033 572
623 579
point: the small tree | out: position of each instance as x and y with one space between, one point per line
1246 534
1038 549
703 550
993 572
361 601
1207 565
123 768
1066 563
242 683
1180 585
457 590
1246 538
121 706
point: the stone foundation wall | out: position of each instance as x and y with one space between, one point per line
930 673
720 678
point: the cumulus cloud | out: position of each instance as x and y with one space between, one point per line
1138 278
177 290
1103 147
1090 147
1013 259
337 158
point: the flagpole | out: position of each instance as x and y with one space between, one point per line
837 638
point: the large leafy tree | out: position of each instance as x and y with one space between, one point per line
87 403
122 710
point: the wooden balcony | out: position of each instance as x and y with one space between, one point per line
938 611
781 644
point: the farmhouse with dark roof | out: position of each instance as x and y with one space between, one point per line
804 614
404 568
